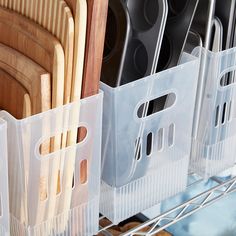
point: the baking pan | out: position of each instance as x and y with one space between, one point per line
194 40
217 35
134 33
116 41
180 16
148 20
225 11
203 20
202 23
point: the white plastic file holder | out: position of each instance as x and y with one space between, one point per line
214 149
74 209
4 196
136 177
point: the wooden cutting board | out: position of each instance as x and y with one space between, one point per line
36 43
30 75
37 82
13 97
79 10
96 28
95 36
56 17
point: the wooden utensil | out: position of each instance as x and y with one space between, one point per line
13 97
96 28
56 17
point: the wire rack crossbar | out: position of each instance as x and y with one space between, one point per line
184 210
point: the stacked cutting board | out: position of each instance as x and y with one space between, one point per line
50 55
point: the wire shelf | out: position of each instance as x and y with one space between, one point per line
180 212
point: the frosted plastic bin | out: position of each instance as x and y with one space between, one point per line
214 145
132 183
38 206
4 195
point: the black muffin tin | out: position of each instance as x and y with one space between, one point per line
203 21
133 39
180 16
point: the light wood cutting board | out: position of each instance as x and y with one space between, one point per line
66 36
79 10
36 43
30 75
39 45
37 82
42 47
56 17
95 36
13 97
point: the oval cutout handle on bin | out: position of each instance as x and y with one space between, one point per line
82 133
156 105
228 78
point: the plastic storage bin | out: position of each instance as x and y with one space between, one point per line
72 208
4 196
214 149
145 157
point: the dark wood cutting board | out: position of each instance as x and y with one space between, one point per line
13 97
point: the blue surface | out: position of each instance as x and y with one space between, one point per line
218 219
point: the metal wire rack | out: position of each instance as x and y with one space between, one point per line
180 212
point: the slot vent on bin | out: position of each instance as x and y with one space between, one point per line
223 114
138 149
149 144
171 135
160 139
84 171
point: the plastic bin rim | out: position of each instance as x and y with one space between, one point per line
212 54
99 96
192 60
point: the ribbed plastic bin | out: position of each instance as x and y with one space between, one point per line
4 195
214 145
145 156
55 193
